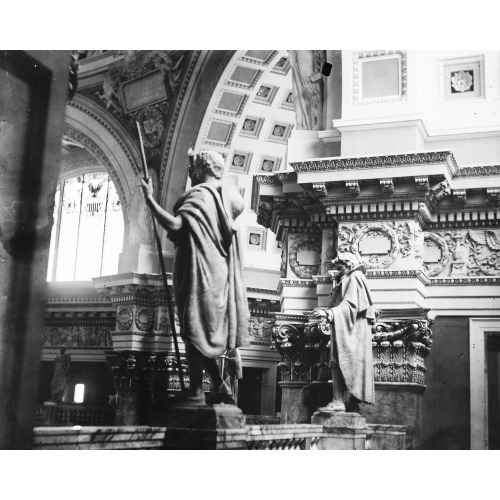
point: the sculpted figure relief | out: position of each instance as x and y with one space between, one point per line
208 272
59 378
308 87
350 315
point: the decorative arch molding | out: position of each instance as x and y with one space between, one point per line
109 143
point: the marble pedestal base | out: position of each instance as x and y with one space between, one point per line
204 427
300 400
341 430
398 403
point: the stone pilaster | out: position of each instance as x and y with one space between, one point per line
144 368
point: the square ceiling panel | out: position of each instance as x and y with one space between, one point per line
230 103
265 94
244 77
287 101
219 133
282 66
279 132
269 164
258 56
240 162
251 127
461 78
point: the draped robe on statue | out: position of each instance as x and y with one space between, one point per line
351 305
208 271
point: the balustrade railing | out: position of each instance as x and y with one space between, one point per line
70 415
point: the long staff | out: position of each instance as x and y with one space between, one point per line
162 266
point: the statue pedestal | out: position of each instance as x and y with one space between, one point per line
300 400
400 404
341 430
204 427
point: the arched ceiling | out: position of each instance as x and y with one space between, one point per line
248 120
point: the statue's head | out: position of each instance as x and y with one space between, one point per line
62 350
205 163
346 260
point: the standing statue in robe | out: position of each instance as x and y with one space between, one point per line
60 376
350 314
308 88
208 281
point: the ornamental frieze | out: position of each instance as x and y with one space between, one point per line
78 337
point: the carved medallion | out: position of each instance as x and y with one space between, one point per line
436 253
304 256
144 319
376 245
124 317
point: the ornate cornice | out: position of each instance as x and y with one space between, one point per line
478 171
77 301
287 177
476 280
267 291
375 199
371 162
301 283
388 274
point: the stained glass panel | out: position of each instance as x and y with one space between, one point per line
87 240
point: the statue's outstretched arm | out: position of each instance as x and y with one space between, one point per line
171 223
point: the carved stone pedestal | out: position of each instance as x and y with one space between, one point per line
204 427
300 400
398 404
341 430
386 437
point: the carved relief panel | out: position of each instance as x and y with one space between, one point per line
472 252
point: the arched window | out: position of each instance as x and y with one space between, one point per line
87 235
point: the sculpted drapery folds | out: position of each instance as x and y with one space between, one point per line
350 313
308 87
208 271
